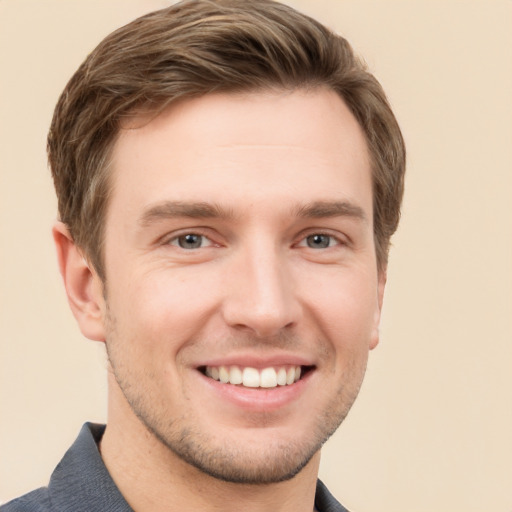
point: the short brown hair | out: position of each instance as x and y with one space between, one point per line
198 47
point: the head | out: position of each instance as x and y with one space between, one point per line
229 175
196 48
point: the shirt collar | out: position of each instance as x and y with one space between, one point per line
82 483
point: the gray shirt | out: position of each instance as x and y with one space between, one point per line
82 483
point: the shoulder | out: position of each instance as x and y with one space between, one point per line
35 501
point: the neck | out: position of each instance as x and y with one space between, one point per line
152 478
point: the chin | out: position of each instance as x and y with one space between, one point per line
259 464
260 456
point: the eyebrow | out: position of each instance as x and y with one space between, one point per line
320 209
194 210
204 210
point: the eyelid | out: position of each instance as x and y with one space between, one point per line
174 241
338 237
172 238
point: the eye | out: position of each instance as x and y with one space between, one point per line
319 241
191 241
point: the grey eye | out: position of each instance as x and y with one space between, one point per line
318 241
190 241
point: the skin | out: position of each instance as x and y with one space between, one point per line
255 177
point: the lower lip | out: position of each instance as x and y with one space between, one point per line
258 399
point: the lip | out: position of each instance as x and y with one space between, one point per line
257 400
258 362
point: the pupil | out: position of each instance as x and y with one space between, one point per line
190 241
318 241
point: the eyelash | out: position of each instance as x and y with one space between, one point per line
175 241
303 241
332 240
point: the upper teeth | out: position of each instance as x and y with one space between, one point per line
254 378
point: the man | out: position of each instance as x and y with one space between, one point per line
229 176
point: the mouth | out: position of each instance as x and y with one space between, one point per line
249 377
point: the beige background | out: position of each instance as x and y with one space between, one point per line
432 429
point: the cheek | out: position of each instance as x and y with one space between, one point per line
344 304
160 307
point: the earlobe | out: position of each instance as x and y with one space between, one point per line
83 286
381 285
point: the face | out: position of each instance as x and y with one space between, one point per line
242 292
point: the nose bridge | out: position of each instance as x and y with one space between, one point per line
261 291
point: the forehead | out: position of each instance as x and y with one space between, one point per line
281 144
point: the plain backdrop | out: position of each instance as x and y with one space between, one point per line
432 428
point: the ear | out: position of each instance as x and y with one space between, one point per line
381 285
83 286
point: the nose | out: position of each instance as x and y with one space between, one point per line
260 294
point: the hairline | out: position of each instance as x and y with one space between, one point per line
130 121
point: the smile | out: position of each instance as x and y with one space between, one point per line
249 377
